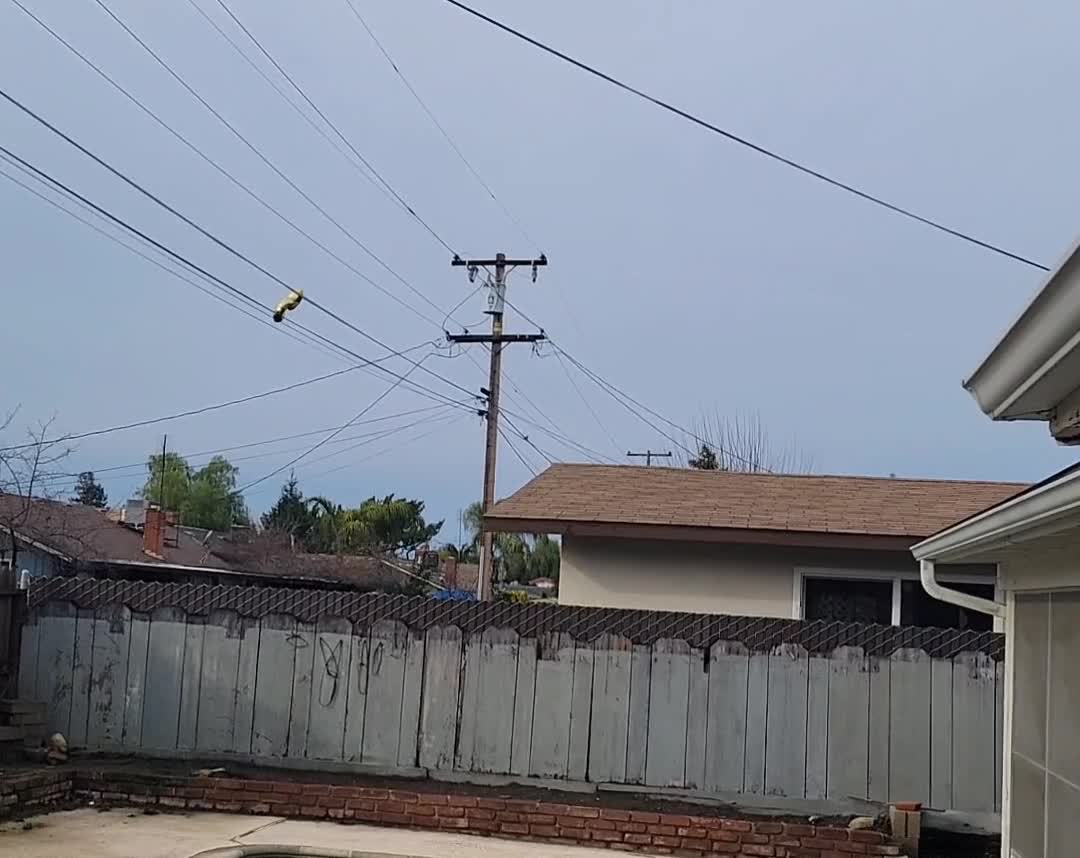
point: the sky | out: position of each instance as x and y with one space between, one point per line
694 274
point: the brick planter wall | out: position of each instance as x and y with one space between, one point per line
628 830
33 792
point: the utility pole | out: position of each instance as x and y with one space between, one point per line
648 456
496 307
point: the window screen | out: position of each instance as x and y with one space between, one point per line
847 600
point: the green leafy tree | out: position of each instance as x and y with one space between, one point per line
213 501
517 557
464 553
168 481
322 536
89 492
472 519
706 458
397 524
511 557
203 498
389 524
544 558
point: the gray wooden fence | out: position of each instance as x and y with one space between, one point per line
329 693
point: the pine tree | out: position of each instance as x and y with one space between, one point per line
89 491
706 459
290 514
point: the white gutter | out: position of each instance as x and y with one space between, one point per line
1047 509
955 597
1043 336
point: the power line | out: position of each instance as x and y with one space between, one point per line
588 405
220 169
217 296
322 132
333 127
211 277
442 130
206 233
335 433
236 133
59 481
624 400
442 418
528 441
565 440
742 141
517 452
251 444
383 451
192 412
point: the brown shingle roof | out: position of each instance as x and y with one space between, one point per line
85 533
623 494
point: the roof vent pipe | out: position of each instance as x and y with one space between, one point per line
928 575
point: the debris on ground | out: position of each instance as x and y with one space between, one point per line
218 772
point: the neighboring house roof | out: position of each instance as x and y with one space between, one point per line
89 535
723 505
85 533
270 555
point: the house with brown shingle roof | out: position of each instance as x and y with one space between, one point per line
720 542
58 538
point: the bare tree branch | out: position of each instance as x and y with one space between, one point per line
742 443
24 474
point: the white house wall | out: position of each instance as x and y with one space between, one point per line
697 577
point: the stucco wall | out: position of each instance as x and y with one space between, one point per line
702 578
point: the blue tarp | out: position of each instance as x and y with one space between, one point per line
454 596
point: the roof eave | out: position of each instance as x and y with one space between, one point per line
696 533
1033 365
1047 509
41 546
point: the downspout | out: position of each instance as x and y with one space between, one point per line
928 575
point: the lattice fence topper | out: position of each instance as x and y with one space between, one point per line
757 634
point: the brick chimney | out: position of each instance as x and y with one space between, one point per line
450 572
154 533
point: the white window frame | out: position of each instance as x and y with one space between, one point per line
798 594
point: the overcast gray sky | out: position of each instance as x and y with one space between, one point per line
689 271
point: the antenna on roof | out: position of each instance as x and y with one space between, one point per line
648 456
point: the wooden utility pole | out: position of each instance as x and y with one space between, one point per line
648 456
496 307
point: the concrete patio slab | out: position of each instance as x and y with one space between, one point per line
121 833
